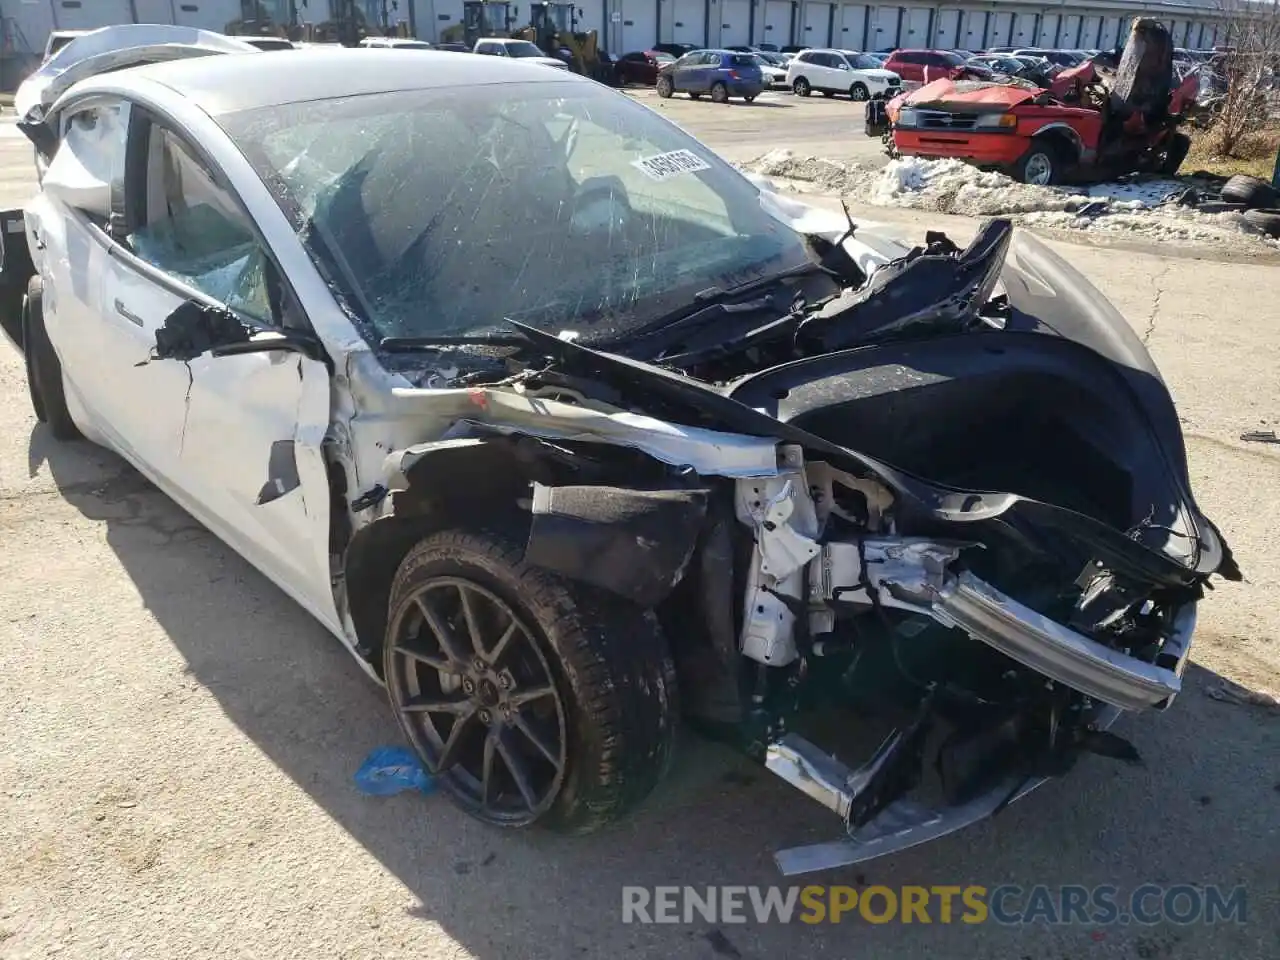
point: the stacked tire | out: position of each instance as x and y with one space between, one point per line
1260 200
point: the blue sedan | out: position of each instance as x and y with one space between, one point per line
720 74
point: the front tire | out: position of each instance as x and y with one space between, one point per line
533 699
750 98
44 371
665 88
801 87
860 93
1040 166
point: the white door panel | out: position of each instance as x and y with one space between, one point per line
205 14
885 34
154 11
947 33
777 23
735 22
93 14
1048 35
1070 29
1024 29
690 22
972 27
251 453
853 27
915 28
1000 30
639 26
816 25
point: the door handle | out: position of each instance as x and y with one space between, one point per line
127 313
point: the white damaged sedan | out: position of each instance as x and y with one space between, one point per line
571 433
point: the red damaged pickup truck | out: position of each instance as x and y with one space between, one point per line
1077 128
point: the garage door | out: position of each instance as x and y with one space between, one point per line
1001 30
885 34
447 13
205 14
852 31
947 32
777 23
591 18
1024 30
1070 29
815 27
1089 32
156 11
88 14
1048 36
735 22
973 26
915 28
690 23
639 26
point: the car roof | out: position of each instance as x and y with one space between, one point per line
229 83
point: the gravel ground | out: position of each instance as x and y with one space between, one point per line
177 738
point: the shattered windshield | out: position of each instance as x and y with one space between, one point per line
560 204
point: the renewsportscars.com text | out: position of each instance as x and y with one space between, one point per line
1007 904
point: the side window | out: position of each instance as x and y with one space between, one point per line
803 57
910 58
187 224
713 59
88 165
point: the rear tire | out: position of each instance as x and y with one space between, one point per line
665 88
801 87
581 692
860 93
719 93
44 371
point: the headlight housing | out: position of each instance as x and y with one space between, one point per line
996 121
906 118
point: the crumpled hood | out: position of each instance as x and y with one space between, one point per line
969 93
115 48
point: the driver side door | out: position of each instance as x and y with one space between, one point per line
247 460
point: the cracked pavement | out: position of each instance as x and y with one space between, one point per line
178 737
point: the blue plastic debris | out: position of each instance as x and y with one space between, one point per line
391 770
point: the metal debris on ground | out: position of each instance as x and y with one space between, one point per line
391 770
1260 436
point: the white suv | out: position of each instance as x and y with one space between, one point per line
841 71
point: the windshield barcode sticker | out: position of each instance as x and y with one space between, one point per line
667 165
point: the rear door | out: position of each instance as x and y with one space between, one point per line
246 458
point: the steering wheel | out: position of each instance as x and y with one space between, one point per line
601 203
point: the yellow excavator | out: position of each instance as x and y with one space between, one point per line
552 26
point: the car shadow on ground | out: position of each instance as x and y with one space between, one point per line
295 692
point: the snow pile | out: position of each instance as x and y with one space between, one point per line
1131 208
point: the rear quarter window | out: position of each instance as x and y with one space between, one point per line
742 60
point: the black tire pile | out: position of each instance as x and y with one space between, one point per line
1260 201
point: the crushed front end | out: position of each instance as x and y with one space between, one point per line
767 497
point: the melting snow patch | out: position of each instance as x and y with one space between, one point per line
951 186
